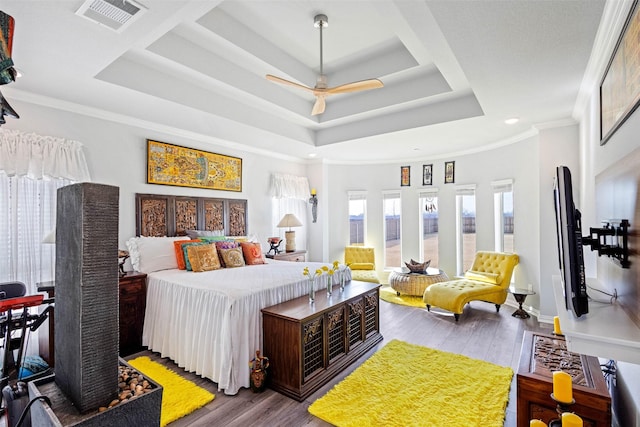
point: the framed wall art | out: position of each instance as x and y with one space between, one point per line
427 174
405 176
620 86
169 164
449 172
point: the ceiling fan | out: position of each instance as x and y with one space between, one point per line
321 91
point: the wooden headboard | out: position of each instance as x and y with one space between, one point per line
160 215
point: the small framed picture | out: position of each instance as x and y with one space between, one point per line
427 174
405 176
449 172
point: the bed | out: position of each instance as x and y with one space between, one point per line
210 323
207 322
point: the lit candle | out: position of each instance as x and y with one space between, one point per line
569 419
313 192
562 384
556 326
537 423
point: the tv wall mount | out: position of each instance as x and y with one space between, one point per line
612 239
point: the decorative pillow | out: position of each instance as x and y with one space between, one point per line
481 276
185 247
225 244
203 258
417 267
194 234
180 253
252 253
149 254
361 266
238 238
212 238
232 257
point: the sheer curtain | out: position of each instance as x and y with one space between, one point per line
32 168
290 194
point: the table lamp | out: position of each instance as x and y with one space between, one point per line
289 220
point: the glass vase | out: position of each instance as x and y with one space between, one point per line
343 279
312 290
329 285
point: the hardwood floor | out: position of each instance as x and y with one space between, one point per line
481 333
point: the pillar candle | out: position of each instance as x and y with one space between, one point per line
537 423
313 192
569 419
562 391
556 326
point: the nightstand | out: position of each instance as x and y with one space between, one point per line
296 256
133 300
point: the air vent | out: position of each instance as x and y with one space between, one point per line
114 14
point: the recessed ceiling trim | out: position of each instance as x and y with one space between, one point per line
113 14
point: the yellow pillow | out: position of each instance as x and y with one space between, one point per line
482 276
361 266
203 257
232 257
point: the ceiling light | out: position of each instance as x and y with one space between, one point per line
312 154
512 120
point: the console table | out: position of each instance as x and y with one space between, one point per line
541 355
308 344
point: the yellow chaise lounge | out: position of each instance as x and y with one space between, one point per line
488 280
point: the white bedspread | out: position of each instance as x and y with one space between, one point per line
210 323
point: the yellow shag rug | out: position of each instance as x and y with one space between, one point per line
180 396
409 385
389 295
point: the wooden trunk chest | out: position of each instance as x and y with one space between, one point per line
541 355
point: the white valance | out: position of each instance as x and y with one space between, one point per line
36 156
466 190
428 192
285 186
502 186
357 195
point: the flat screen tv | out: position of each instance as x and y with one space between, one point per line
569 231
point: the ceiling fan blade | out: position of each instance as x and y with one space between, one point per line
318 107
288 82
355 86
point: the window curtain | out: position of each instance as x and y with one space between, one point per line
32 168
290 194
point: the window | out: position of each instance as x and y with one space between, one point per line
392 229
428 226
465 227
503 215
290 195
357 217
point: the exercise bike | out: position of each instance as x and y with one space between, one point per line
15 320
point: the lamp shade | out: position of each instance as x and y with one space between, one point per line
289 220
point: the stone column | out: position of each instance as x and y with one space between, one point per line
86 306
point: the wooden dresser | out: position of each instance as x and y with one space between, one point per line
541 355
308 344
133 300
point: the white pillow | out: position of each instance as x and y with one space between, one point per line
194 234
149 254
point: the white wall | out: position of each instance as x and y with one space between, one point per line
116 155
524 162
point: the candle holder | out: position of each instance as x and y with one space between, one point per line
561 408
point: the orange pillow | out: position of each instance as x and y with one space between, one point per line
252 253
177 246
